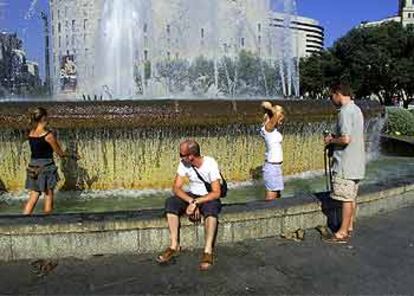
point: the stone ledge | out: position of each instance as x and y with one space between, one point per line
83 235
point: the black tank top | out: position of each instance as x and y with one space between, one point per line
40 148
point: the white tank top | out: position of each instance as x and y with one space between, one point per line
273 140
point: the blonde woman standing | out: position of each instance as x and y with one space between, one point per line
42 176
272 168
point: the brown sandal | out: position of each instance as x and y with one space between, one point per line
208 260
337 240
167 256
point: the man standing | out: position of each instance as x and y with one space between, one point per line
198 200
348 158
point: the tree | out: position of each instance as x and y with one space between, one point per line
376 60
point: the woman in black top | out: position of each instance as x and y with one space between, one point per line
42 176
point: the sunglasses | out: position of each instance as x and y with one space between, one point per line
184 155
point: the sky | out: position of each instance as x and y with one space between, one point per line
336 16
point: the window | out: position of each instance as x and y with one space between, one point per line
73 40
145 28
168 55
202 33
59 27
145 55
73 25
168 29
60 41
85 24
242 42
259 27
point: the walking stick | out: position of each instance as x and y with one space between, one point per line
328 153
325 159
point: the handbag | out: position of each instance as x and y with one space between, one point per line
33 171
223 184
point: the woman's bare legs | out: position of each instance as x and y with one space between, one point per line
31 203
48 205
272 195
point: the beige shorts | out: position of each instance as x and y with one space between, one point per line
344 190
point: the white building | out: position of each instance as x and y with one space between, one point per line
174 28
405 15
308 36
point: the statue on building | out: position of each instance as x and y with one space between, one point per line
68 74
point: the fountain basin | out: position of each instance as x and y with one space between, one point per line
84 235
133 145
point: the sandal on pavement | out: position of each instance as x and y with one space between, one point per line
206 262
337 240
167 256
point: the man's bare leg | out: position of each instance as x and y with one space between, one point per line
210 226
347 213
354 208
173 226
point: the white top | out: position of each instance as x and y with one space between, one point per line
273 140
209 170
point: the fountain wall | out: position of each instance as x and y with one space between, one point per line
134 145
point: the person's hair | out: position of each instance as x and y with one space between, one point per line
341 87
36 115
193 147
280 114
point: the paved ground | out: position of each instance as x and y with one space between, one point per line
380 260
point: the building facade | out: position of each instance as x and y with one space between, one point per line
18 76
405 15
171 29
308 36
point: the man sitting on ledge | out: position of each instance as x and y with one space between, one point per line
198 200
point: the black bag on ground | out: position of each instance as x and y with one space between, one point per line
223 184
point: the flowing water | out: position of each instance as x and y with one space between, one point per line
384 170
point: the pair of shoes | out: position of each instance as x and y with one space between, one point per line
206 263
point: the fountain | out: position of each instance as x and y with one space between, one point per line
117 47
187 49
130 145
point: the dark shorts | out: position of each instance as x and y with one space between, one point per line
47 179
177 206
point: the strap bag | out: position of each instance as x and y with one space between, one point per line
33 171
223 184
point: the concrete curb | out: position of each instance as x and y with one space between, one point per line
84 235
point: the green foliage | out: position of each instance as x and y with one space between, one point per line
245 75
400 122
376 60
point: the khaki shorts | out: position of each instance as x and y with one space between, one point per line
344 190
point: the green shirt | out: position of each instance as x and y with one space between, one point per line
349 161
